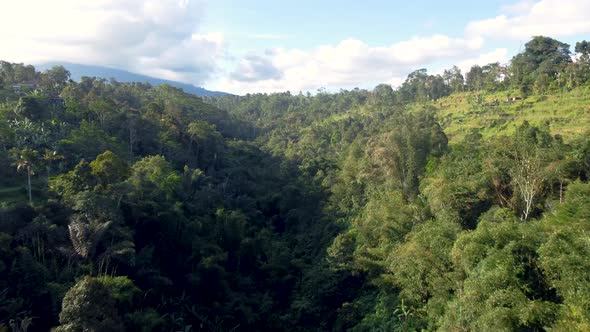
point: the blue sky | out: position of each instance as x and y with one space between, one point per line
306 24
266 46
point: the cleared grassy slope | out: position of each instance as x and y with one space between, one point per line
568 113
10 195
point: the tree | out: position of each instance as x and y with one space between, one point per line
419 86
7 72
89 306
54 80
542 55
86 233
582 68
422 268
102 111
109 168
68 185
413 89
583 47
458 188
25 74
49 157
88 141
398 157
500 287
32 106
152 177
563 258
528 179
383 93
474 78
492 75
454 79
28 133
24 159
203 134
529 154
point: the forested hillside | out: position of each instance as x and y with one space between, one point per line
456 202
77 71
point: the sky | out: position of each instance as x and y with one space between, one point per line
249 46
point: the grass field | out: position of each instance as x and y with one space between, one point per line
567 114
13 194
16 191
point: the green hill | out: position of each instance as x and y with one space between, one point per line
447 204
567 113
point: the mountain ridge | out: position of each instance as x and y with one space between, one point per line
77 71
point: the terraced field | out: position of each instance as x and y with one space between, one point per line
567 114
12 194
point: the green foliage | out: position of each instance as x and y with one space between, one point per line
54 80
151 176
452 203
562 257
490 77
69 184
423 269
89 306
382 224
457 187
419 86
542 57
145 321
25 160
503 287
89 141
121 288
399 156
109 168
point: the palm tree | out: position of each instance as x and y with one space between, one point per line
24 161
50 156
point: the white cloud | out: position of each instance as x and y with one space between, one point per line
555 18
163 38
255 68
348 64
148 36
498 55
352 63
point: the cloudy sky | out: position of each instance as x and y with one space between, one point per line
243 46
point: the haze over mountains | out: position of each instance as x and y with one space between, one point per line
79 70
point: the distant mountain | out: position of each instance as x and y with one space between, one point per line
79 70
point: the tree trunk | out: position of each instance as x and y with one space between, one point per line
130 143
527 210
189 155
48 171
29 184
560 192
